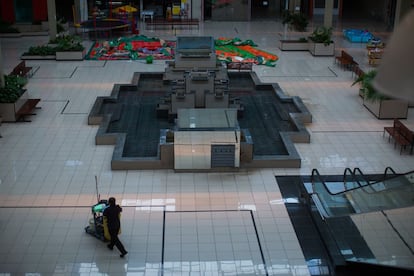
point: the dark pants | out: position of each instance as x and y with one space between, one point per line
115 241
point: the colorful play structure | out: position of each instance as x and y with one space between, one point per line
118 21
133 48
355 35
228 50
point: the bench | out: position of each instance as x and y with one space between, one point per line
22 70
27 110
357 71
401 135
174 22
240 66
345 60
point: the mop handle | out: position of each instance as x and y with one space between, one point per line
98 196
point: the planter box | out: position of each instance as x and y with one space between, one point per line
36 57
388 109
70 55
45 25
293 45
319 49
8 110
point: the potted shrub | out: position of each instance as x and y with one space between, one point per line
69 47
12 97
300 44
381 106
40 52
321 43
297 22
6 27
63 47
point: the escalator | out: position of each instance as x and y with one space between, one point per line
361 222
356 195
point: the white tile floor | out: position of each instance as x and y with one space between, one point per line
213 223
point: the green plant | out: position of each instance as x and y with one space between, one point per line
59 28
297 21
322 34
42 50
59 24
13 88
6 27
68 43
367 89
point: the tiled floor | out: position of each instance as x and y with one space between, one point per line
173 223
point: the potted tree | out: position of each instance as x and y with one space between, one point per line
381 106
12 97
297 22
321 43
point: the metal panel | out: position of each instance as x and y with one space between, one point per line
222 156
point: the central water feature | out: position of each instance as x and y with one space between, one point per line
141 120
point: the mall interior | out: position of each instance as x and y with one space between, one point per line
249 221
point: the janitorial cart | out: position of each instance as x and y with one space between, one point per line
97 224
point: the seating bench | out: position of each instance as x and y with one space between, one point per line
401 135
22 70
174 22
240 66
357 71
27 109
345 60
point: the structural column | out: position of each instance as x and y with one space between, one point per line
328 15
402 7
294 5
1 69
51 14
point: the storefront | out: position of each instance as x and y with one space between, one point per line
23 11
35 11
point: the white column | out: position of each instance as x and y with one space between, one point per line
51 15
1 68
402 7
328 14
83 10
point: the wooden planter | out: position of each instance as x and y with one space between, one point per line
8 110
320 49
293 45
387 109
70 55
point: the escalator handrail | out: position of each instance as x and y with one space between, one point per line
366 184
352 173
315 171
389 169
324 213
385 177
